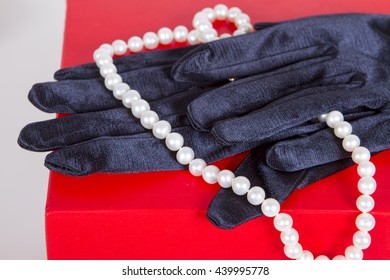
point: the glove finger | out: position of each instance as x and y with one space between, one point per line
249 94
228 210
301 153
270 49
79 96
296 109
57 133
125 63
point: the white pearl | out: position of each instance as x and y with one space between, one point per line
233 13
196 166
150 40
293 251
283 222
165 35
204 25
106 69
240 185
119 90
256 195
148 119
333 118
210 174
342 129
103 59
322 118
361 240
361 154
239 32
322 258
339 258
246 27
161 129
107 48
174 141
225 35
129 97
366 168
198 18
365 203
112 79
367 185
351 142
241 19
306 256
180 33
135 44
120 47
353 253
185 155
289 236
193 37
365 222
210 13
99 53
138 107
270 207
208 35
221 11
225 178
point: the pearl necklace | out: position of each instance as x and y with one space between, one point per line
161 129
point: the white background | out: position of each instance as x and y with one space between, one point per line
30 51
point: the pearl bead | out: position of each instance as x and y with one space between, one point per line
221 11
225 178
135 44
129 97
239 32
367 185
306 256
225 35
161 129
138 107
198 18
103 59
342 129
361 240
119 90
204 25
322 118
208 35
293 251
351 142
233 13
289 236
361 154
150 40
366 168
256 195
246 27
333 118
241 19
270 207
193 37
106 69
120 47
365 203
107 48
210 13
240 185
322 258
353 253
339 258
112 79
210 174
99 53
365 222
196 166
148 119
185 155
174 141
180 33
283 222
165 36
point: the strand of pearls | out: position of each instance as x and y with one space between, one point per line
161 129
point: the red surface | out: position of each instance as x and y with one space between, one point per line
162 215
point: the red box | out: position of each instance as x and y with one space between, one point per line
162 215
